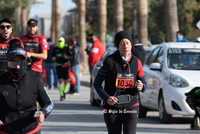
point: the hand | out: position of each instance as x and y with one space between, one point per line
112 100
54 58
1 123
65 56
139 85
39 116
28 54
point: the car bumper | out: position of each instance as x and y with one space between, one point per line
175 97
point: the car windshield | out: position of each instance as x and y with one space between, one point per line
183 59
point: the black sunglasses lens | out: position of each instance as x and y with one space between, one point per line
7 26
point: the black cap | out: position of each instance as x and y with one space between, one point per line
4 19
15 50
32 22
121 35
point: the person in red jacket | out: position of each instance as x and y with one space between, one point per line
5 37
96 51
36 47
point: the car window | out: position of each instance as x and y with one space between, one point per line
160 56
107 53
153 55
104 56
185 59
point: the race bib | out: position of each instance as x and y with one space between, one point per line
124 80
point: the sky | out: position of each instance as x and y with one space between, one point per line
46 7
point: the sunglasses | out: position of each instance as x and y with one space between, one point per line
13 64
7 26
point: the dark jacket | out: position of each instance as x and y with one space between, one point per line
74 55
138 51
50 51
18 102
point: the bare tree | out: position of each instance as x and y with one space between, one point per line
118 15
171 19
102 20
142 19
82 25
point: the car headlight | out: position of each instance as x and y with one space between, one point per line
177 81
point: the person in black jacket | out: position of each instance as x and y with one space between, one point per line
50 66
75 61
19 91
123 75
138 50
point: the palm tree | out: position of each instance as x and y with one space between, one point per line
142 19
82 25
58 19
53 19
171 19
102 20
118 15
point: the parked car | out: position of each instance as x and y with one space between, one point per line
171 70
148 50
94 97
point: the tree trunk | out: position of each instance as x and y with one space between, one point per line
171 19
82 34
58 20
118 15
142 19
102 20
23 21
53 22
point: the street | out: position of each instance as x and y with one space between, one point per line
75 115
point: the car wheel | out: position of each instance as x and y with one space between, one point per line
142 110
163 115
93 101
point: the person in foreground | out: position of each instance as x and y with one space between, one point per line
123 75
19 91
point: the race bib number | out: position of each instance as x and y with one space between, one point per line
124 81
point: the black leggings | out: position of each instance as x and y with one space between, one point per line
115 121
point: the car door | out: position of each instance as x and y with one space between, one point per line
146 98
157 78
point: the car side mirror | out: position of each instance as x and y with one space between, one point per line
155 66
98 64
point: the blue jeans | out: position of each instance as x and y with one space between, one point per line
51 74
76 73
90 69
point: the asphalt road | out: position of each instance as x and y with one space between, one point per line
75 115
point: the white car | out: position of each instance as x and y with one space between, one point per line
171 70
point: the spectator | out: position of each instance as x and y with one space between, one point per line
96 51
180 37
75 61
138 50
51 67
